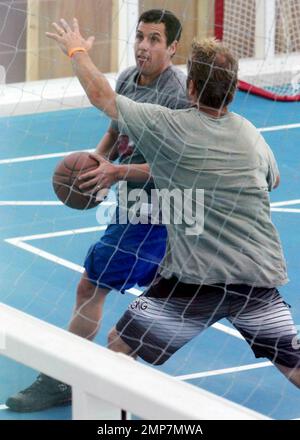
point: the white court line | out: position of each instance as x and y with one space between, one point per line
39 203
286 203
279 127
225 371
297 210
57 203
29 203
62 154
43 254
57 234
276 206
230 331
39 157
20 243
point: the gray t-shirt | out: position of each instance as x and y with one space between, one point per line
229 159
168 90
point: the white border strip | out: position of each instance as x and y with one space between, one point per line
45 96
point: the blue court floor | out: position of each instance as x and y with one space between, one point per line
34 281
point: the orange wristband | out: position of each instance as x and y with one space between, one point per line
76 49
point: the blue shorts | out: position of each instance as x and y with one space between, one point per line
126 255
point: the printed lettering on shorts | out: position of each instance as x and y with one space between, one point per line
138 304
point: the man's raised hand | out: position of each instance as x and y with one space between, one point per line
69 39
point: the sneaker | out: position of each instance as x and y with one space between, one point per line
45 392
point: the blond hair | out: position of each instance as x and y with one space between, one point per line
213 69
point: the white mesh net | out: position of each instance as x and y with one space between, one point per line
267 40
44 243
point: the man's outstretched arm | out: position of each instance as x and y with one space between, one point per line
139 120
102 96
96 86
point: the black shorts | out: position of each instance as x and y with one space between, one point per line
170 313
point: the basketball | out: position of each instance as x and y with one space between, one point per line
66 184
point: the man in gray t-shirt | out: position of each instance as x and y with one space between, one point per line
225 261
229 160
168 90
228 260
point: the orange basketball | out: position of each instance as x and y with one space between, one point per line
65 181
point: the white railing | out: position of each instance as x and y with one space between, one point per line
44 96
103 382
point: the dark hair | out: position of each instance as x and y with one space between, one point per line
213 69
172 24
